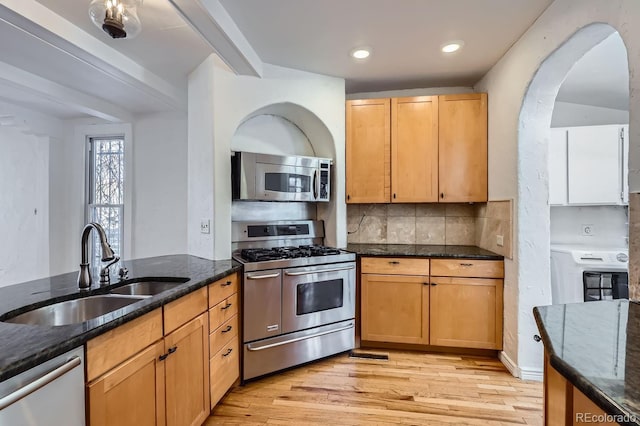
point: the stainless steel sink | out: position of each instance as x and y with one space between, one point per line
74 311
149 287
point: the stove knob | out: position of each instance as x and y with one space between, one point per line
622 257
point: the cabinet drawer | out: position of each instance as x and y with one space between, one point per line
182 310
394 265
223 335
223 311
225 370
467 268
117 345
223 288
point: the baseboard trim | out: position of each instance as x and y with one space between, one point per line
532 374
509 364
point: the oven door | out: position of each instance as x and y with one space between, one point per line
317 295
277 182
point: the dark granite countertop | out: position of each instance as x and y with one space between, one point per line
25 346
423 250
596 347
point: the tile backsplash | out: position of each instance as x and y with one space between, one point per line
450 224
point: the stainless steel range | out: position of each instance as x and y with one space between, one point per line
298 296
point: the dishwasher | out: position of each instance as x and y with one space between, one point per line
50 394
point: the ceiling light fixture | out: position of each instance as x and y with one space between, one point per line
361 53
452 46
118 18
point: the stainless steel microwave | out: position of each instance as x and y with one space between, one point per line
265 177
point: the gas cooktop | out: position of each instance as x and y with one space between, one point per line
291 252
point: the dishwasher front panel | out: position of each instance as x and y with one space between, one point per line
50 394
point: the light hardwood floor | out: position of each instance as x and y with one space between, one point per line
410 388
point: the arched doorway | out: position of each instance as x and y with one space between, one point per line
533 213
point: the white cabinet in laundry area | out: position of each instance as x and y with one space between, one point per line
588 165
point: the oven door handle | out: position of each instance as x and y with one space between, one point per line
262 277
295 274
315 184
297 339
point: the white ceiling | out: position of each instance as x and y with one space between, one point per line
312 35
406 36
166 45
600 77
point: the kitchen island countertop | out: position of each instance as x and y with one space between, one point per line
424 250
596 347
25 346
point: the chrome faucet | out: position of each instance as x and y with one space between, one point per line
84 276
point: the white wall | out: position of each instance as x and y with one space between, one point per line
518 134
567 114
271 134
427 91
160 182
156 197
24 206
609 225
219 101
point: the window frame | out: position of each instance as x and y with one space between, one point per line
99 131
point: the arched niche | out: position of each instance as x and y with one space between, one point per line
300 132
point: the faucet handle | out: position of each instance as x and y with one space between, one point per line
123 273
104 272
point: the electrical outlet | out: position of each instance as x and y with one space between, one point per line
588 230
500 240
205 226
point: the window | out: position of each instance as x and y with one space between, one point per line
105 191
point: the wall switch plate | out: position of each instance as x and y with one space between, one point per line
500 240
588 230
205 226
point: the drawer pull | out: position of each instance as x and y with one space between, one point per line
394 262
466 264
228 352
226 330
227 284
434 284
227 306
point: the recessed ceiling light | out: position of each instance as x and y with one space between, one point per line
452 46
361 53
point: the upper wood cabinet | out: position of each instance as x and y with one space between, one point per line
417 149
368 154
463 147
414 149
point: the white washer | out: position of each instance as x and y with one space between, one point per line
568 262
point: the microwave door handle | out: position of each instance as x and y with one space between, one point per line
315 184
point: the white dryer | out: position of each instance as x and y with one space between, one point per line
582 273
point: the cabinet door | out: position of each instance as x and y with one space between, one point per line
395 308
466 312
368 151
187 373
131 394
594 165
463 147
414 149
558 167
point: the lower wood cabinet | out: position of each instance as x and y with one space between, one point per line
395 308
131 393
186 373
466 312
403 302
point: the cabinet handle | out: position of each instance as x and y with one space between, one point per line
163 357
228 329
228 352
227 306
434 284
348 197
227 284
466 264
394 262
442 195
394 196
172 350
537 338
425 283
